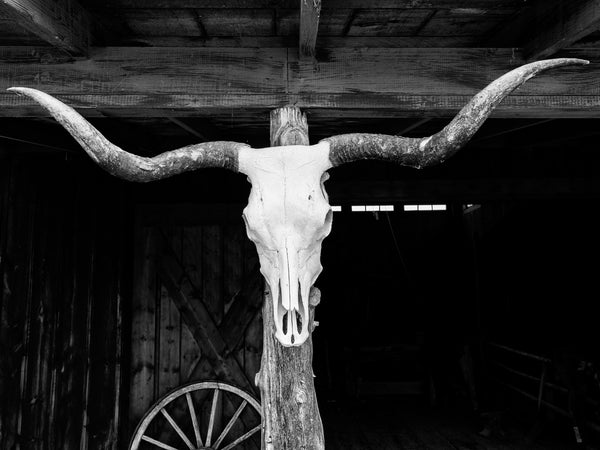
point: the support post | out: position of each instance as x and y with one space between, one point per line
290 413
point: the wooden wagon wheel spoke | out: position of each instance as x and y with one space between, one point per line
213 413
158 443
180 409
242 438
230 424
192 411
177 429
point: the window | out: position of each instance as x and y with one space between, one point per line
372 208
437 207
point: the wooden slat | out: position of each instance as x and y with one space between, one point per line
291 41
143 333
212 271
170 344
374 22
310 11
383 82
63 23
562 26
465 22
228 4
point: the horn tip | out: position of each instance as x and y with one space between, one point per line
18 90
581 62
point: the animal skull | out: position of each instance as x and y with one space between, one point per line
287 217
288 214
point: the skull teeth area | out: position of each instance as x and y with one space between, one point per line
291 323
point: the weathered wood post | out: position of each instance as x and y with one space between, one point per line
291 419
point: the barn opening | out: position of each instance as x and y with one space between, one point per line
457 302
469 325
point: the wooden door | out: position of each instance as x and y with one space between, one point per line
196 303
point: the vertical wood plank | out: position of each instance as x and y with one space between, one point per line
15 263
192 260
104 332
143 341
310 12
189 352
233 263
212 270
169 345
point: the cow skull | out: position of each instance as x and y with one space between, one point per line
287 217
288 214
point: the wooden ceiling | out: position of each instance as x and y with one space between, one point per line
251 23
157 74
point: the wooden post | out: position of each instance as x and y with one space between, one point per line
290 413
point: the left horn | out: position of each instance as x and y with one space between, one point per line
126 165
422 152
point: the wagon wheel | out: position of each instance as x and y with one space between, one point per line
201 416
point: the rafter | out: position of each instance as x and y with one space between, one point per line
563 25
62 23
349 82
544 27
310 11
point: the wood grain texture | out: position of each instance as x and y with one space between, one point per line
227 4
310 11
562 25
143 326
289 406
54 348
203 81
63 24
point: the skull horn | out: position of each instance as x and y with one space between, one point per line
128 166
422 152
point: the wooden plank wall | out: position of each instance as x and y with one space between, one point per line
62 234
197 288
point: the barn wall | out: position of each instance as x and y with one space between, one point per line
63 233
196 310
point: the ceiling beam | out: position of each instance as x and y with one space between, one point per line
291 4
180 82
542 27
564 24
61 23
310 11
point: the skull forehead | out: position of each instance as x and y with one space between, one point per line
286 204
286 164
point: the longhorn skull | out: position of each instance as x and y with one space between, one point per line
288 213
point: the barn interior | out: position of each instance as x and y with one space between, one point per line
457 306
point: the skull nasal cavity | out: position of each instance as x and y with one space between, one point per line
284 324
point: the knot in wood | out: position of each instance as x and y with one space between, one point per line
301 395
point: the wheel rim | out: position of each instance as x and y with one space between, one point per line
175 421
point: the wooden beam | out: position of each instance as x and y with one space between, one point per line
291 41
290 412
563 25
187 128
291 4
156 82
544 27
310 11
62 23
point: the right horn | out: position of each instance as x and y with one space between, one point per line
422 152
